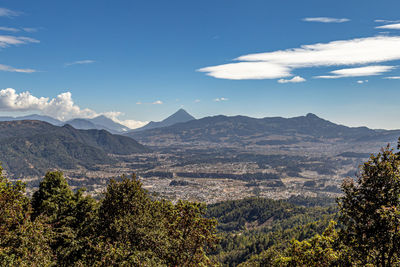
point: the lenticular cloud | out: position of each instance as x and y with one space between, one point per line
281 63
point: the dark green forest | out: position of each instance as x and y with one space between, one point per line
128 226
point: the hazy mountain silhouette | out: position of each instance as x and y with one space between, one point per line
99 123
44 118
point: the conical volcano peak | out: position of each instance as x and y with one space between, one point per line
179 116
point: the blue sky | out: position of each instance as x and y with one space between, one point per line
138 61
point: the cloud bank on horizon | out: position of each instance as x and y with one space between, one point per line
282 63
61 107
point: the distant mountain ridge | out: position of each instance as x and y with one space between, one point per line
178 117
32 147
38 117
100 122
246 131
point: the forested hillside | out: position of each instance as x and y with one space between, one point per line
32 147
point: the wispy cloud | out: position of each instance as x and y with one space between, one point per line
9 29
61 107
220 99
8 40
295 79
157 102
27 29
390 26
80 62
5 12
393 78
386 21
197 101
12 69
358 72
326 20
281 63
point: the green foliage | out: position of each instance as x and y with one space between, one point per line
135 226
320 250
254 226
125 228
370 211
190 234
22 242
369 217
68 213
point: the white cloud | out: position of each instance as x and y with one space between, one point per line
5 12
132 124
358 72
326 20
295 79
362 81
197 101
80 62
248 70
61 107
12 69
220 99
280 64
345 52
393 78
157 102
9 29
390 26
8 40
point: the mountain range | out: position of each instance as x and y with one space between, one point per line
30 147
100 123
242 131
103 123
